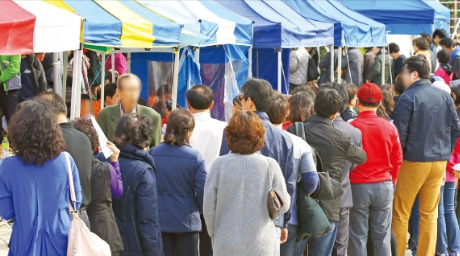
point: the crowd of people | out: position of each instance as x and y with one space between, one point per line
353 168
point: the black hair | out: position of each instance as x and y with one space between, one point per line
163 90
447 42
394 48
180 123
443 57
279 107
135 130
422 43
367 104
54 102
455 94
441 33
259 91
110 90
340 88
200 97
416 63
328 102
85 97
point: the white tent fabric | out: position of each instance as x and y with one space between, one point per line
56 30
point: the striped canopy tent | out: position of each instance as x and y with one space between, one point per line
35 26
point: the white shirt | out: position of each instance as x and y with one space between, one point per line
207 137
122 112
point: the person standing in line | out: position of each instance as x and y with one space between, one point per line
349 113
425 152
77 144
445 69
136 211
181 175
353 62
346 202
206 138
129 89
298 67
325 66
111 95
334 148
34 188
372 182
369 58
256 95
236 191
304 167
422 47
33 80
376 75
437 36
10 66
454 51
398 59
106 185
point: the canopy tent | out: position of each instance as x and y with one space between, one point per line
350 28
227 34
410 17
273 30
277 26
35 26
212 20
441 15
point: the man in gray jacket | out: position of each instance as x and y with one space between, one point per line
353 63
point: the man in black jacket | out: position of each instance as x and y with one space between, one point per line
77 144
33 78
334 148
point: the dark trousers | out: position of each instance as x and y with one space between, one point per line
8 102
205 240
180 244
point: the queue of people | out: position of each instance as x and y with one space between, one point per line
348 157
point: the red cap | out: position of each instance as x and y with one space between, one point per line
370 93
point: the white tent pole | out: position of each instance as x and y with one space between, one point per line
103 79
339 66
197 55
129 62
65 60
383 66
280 66
113 66
250 62
174 90
76 84
57 70
332 63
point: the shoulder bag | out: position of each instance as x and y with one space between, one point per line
274 202
81 241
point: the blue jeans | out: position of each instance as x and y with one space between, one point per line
322 246
414 220
291 247
448 241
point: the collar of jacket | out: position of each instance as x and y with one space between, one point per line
263 116
421 82
319 119
132 152
455 52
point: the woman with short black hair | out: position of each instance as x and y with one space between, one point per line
137 210
181 175
34 188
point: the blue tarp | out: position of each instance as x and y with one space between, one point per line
410 17
350 28
441 15
272 29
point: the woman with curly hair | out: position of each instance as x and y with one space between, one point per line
181 174
136 211
34 184
235 198
106 184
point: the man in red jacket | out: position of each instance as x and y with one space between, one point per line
372 182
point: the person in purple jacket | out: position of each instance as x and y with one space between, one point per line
106 184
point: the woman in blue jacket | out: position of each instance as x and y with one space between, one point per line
181 175
34 184
136 211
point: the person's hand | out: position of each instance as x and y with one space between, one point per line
456 174
284 235
116 151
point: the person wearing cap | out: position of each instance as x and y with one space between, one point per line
428 128
372 182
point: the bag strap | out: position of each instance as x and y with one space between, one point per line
71 185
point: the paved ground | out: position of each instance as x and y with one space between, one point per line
5 233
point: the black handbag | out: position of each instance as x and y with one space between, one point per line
311 217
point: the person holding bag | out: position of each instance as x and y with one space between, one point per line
34 185
237 189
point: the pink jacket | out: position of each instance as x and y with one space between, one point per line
454 159
443 74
